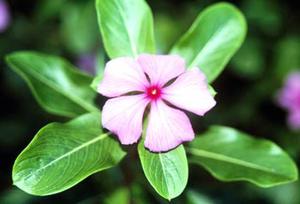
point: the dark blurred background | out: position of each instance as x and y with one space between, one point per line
246 96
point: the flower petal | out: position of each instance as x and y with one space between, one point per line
124 117
167 128
122 75
289 95
161 68
190 92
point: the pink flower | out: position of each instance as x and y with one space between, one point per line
289 98
162 83
4 16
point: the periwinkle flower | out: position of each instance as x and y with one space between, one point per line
289 98
162 83
4 16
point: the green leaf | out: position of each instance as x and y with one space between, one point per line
212 91
230 155
213 38
57 86
126 27
167 172
62 155
96 81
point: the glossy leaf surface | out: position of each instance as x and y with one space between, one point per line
212 39
231 155
126 27
62 155
57 86
167 172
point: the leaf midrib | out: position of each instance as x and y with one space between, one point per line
83 145
74 99
132 45
164 173
224 158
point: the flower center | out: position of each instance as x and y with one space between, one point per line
153 92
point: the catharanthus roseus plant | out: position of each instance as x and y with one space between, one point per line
141 87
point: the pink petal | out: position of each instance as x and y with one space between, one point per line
161 68
124 117
122 75
289 95
190 92
167 128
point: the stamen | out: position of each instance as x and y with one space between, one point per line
153 92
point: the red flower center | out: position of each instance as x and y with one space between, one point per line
153 92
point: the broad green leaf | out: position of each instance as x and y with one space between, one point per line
96 81
167 172
230 155
212 91
57 86
62 155
126 27
214 37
